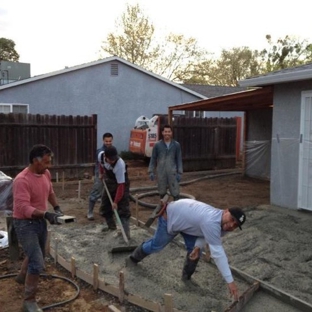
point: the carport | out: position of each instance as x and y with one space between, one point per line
240 101
257 105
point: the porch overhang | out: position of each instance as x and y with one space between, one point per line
241 101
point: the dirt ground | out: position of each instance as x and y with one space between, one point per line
274 246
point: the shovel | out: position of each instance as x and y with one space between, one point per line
119 249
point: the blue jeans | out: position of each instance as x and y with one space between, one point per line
32 235
162 238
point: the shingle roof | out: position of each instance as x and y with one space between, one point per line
290 74
211 91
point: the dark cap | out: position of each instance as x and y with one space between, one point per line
111 153
238 215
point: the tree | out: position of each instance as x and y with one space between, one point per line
197 73
309 53
7 50
232 66
287 52
135 38
239 63
135 41
178 57
236 64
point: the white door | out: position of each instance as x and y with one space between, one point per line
305 153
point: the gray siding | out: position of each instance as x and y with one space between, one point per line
285 143
117 100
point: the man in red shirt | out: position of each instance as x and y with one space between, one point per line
32 190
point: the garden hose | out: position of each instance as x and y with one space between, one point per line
182 195
54 276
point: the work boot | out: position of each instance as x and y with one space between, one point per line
90 210
110 225
189 268
126 226
31 285
21 277
138 254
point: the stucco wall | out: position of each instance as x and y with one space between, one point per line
285 143
117 100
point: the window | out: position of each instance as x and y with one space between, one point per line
198 114
5 109
20 109
194 114
14 108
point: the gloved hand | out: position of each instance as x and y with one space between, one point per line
51 217
152 177
178 176
58 210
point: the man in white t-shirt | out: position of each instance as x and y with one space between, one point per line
199 224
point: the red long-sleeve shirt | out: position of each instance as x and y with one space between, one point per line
31 191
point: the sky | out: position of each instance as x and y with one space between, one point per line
51 35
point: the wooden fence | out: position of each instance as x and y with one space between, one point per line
72 139
206 143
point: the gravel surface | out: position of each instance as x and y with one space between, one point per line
155 276
274 246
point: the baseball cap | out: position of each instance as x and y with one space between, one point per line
111 153
238 215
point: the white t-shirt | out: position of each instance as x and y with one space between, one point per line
204 221
119 168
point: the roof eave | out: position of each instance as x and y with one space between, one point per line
248 100
276 79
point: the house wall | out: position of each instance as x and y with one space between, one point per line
285 143
258 143
117 100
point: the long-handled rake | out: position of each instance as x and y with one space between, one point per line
121 248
